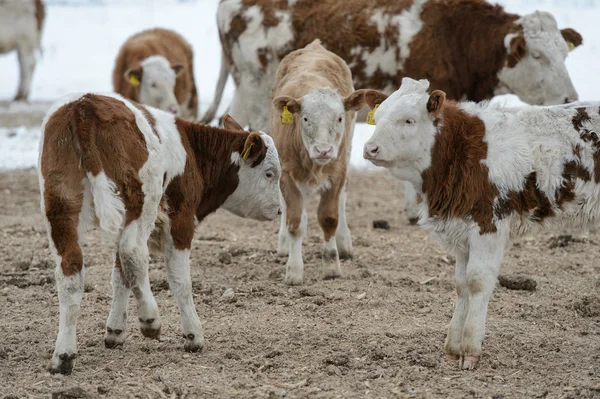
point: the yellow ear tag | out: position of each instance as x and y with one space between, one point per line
246 152
286 116
133 80
371 115
571 46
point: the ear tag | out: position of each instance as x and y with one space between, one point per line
571 45
286 116
246 152
133 80
371 115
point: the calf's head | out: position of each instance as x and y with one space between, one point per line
322 117
535 69
405 125
257 193
155 78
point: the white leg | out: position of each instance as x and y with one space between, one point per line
485 255
116 325
26 65
331 260
411 205
283 243
294 272
178 276
342 234
455 331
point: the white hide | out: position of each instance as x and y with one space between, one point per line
157 87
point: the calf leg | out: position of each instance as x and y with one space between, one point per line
342 234
411 203
328 220
116 325
485 256
27 65
455 331
283 243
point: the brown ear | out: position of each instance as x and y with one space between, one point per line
516 50
254 149
355 101
231 124
436 100
293 105
572 37
177 68
133 75
374 97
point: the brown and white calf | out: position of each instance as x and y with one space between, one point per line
486 174
21 23
313 89
142 174
156 67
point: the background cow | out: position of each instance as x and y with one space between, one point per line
312 122
21 23
486 174
156 67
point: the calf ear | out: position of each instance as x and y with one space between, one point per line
292 104
231 124
355 101
177 68
436 100
374 97
517 47
134 76
572 37
254 150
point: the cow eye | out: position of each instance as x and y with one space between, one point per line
305 119
340 119
536 55
269 174
154 85
410 121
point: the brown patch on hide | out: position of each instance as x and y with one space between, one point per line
588 136
529 200
40 14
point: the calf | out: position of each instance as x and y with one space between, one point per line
143 174
21 23
312 122
156 67
486 174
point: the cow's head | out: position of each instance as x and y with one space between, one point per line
155 78
322 117
257 193
405 126
535 69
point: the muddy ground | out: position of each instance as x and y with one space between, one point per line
378 332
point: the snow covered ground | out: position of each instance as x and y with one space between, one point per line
81 40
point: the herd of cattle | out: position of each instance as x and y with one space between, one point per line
476 174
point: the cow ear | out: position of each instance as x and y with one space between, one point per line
374 97
517 47
254 149
436 100
134 76
572 37
355 101
292 104
177 68
230 123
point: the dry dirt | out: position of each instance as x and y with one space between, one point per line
378 332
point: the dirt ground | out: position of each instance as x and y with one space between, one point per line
378 332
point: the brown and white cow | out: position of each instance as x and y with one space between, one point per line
142 174
156 67
471 49
21 23
486 174
312 123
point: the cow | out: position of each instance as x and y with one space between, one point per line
156 67
486 174
143 175
21 24
312 122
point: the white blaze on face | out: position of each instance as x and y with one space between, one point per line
257 193
404 131
322 119
541 76
157 87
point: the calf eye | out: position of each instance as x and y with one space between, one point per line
269 174
340 119
305 119
154 85
410 121
536 55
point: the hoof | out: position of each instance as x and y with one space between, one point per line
150 328
63 363
413 221
451 357
332 276
346 255
113 338
468 362
193 343
282 253
291 279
